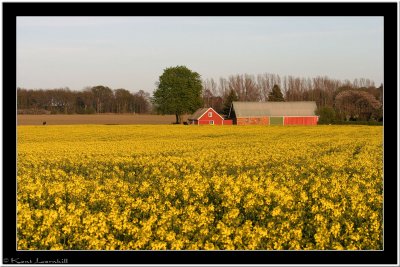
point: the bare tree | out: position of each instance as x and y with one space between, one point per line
252 92
141 102
103 98
223 88
245 87
122 98
263 86
210 95
235 83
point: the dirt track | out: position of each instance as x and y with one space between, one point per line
96 119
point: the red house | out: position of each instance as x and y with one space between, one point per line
208 116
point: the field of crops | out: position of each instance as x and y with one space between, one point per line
128 187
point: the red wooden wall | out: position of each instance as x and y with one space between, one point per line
300 120
205 119
253 121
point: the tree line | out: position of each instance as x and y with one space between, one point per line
359 100
97 99
181 91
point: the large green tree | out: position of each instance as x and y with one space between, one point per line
179 92
276 94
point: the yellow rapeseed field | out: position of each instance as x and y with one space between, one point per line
125 187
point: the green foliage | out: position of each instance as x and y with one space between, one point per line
276 94
326 115
179 91
228 102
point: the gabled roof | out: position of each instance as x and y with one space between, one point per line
258 109
200 112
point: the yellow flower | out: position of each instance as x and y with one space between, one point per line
163 187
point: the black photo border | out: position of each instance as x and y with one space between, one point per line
387 10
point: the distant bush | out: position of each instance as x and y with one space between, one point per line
326 115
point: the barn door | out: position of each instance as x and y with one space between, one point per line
276 121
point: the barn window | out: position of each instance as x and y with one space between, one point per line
212 122
209 114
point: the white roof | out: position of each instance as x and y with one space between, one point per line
259 109
200 112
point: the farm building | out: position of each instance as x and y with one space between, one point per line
208 116
274 113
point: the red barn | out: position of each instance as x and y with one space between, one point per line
207 116
274 113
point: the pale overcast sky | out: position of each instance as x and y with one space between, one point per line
132 52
